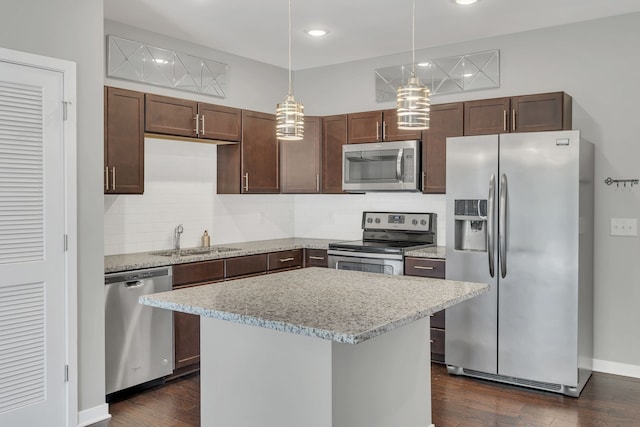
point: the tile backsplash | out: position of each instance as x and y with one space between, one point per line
180 188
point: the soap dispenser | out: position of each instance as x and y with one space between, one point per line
206 240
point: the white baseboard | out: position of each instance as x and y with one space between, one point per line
93 415
616 368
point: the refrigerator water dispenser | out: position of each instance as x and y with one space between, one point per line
470 225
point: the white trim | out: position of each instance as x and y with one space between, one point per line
68 70
616 368
93 415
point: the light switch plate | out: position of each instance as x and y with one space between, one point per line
624 226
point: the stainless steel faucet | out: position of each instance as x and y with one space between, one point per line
176 237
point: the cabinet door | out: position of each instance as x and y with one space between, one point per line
542 112
170 116
220 123
315 258
260 154
123 141
250 265
390 131
364 127
486 116
301 160
284 260
186 335
445 120
334 136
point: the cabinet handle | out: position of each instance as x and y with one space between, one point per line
106 177
420 267
377 130
317 182
513 119
317 258
113 178
246 181
504 120
384 130
286 259
431 341
423 181
202 120
197 119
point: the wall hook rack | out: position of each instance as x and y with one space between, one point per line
617 182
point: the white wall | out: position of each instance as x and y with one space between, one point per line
597 63
72 30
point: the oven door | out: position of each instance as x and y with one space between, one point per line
367 262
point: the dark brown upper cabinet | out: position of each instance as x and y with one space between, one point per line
191 119
334 136
252 166
377 126
445 120
123 141
528 113
300 160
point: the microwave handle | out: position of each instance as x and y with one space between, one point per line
399 164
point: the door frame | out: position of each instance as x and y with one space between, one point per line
68 70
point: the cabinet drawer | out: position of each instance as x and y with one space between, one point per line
315 258
437 320
284 260
437 341
246 265
198 272
424 267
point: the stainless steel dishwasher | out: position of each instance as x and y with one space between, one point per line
139 339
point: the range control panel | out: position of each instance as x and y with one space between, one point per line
405 221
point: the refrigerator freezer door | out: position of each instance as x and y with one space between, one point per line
472 326
537 307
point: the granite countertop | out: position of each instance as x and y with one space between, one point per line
339 305
136 261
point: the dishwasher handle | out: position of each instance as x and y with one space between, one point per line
134 284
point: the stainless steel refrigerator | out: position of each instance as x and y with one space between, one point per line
520 217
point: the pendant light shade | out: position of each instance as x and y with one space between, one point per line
413 98
290 114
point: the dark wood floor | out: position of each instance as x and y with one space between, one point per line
607 400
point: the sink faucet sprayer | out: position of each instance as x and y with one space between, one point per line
176 237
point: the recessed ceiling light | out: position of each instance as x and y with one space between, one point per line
465 2
424 64
317 32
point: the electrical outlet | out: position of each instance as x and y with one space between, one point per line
624 226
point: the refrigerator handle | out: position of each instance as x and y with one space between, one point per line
502 232
490 222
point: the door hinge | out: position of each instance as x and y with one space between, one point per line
66 242
65 105
66 373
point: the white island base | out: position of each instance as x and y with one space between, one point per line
258 377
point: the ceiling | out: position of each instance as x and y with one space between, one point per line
358 29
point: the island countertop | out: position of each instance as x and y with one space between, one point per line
339 305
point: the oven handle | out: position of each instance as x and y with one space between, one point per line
364 255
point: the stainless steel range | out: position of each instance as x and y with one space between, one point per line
386 237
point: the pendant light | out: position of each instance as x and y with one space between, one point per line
413 98
290 114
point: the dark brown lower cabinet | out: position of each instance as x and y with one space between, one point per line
284 260
315 258
434 268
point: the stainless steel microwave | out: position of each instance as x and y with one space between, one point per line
381 166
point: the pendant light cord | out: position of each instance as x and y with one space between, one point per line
290 88
413 39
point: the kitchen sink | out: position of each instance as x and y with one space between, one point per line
192 251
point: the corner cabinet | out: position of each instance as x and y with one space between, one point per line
334 136
528 113
123 141
251 167
377 126
191 119
445 120
300 160
433 268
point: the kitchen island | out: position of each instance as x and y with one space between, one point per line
316 347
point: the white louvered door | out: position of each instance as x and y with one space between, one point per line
33 390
